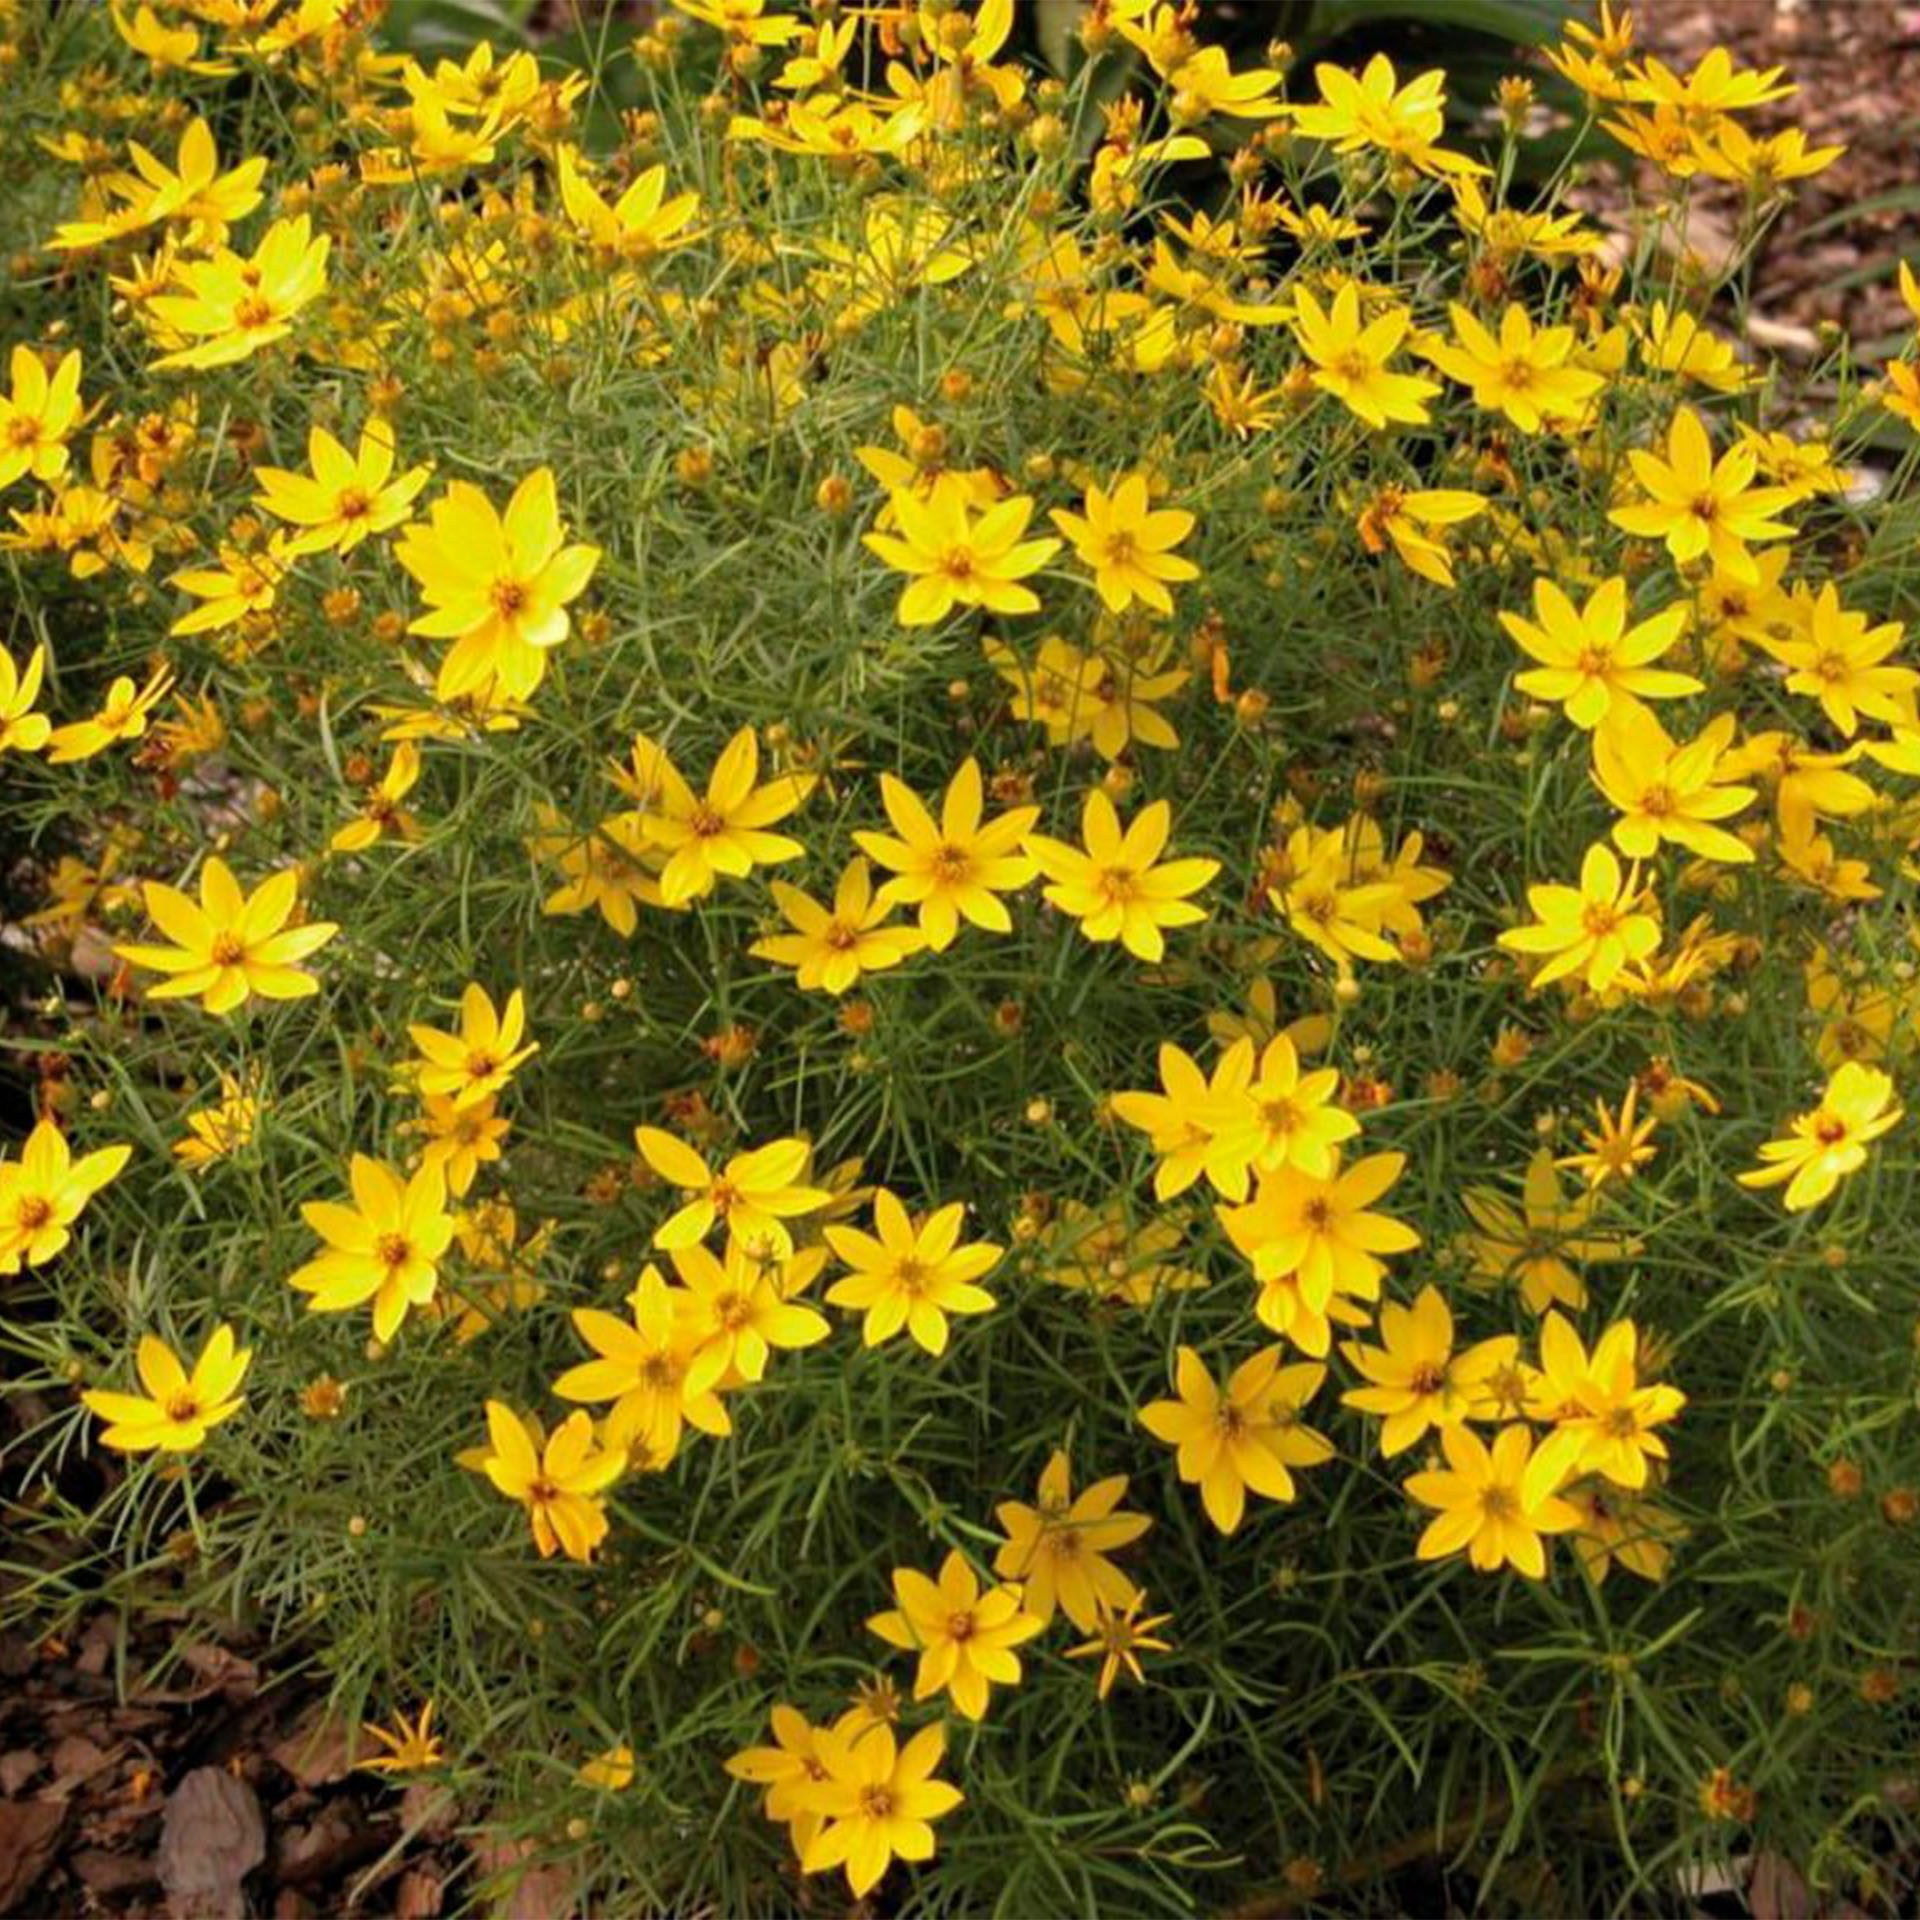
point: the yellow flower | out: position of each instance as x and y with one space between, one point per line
386 1247
877 1801
1416 1381
230 946
723 831
1835 657
789 1769
1371 109
965 1638
753 1196
347 498
167 48
1127 543
830 949
1107 697
1603 1418
243 585
410 1748
496 585
1618 1145
1328 904
611 1771
653 1370
38 418
1596 930
381 811
233 306
1523 373
1404 517
461 1138
192 195
613 867
1273 1118
1675 342
1114 888
1120 1636
1180 1120
913 1275
215 1132
1592 662
560 1482
1245 1435
1059 1549
1702 507
743 1309
1665 792
641 224
956 869
1535 1248
1484 1506
21 729
958 557
1621 1529
179 1408
1825 1145
481 1058
1350 358
123 715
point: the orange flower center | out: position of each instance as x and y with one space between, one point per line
1599 918
951 864
703 822
1498 1503
353 505
183 1406
22 431
960 1626
253 311
839 936
227 950
876 1802
392 1250
957 563
1427 1378
541 1491
33 1212
509 597
1829 1131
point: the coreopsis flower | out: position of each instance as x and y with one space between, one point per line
230 946
1807 786
216 1131
1595 930
1247 1434
1103 1251
496 585
1823 1146
913 1274
831 947
1603 1419
1271 1115
1665 792
1838 658
384 1248
1859 1019
753 1195
789 1768
1536 1248
122 715
38 417
959 556
1621 1529
1107 697
612 868
478 1061
167 49
382 810
1484 1504
192 196
243 586
877 1801
1115 889
1714 87
744 1309
1416 1382
179 1408
651 1367
1127 543
1405 518
1321 1227
1618 1144
1702 507
559 1478
612 1770
1524 373
965 1637
956 869
1328 905
1058 1549
1120 1636
1900 393
1179 1120
1592 662
1349 355
1371 109
639 226
21 729
45 1191
411 1745
460 1139
232 307
724 830
347 498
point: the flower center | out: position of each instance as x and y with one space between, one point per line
33 1212
509 597
960 1627
183 1406
392 1250
353 505
1595 662
1829 1131
1705 508
1498 1503
704 822
253 311
1426 1378
227 950
951 864
839 936
876 1802
22 431
1120 884
1599 919
957 563
541 1492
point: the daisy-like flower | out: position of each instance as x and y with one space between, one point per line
1702 507
347 498
1180 1121
1523 373
1825 1145
741 1310
122 715
1415 1380
1839 658
1058 1549
386 1247
45 1191
965 1638
232 307
1667 792
216 1131
179 1408
1246 1435
38 418
754 1195
1484 1505
1120 1636
790 1768
1322 1227
1128 543
230 946
243 586
496 585
913 1275
643 223
830 948
956 869
1591 661
1412 521
1603 1417
460 1140
382 811
1596 930
959 556
1114 888
1350 356
877 1801
724 830
1273 1117
558 1478
478 1061
411 1745
1372 109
